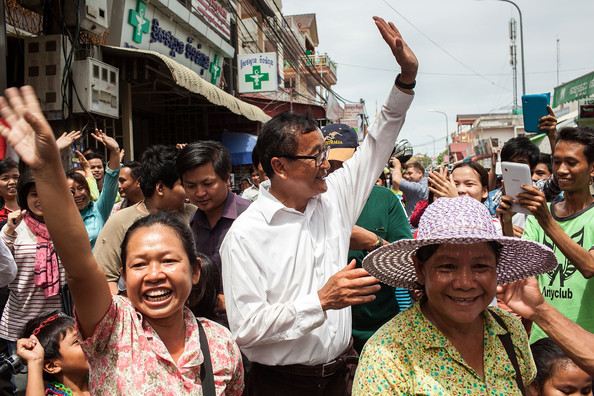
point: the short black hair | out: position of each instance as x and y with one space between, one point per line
581 135
93 155
424 253
135 168
520 146
203 152
25 184
279 137
49 334
547 355
80 179
158 165
546 159
8 164
166 219
478 168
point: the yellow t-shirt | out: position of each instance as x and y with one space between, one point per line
410 356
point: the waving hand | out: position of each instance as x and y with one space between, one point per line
29 134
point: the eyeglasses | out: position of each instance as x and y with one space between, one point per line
319 157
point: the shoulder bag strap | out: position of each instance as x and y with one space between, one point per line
511 353
206 374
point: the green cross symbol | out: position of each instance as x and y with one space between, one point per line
215 70
257 77
141 24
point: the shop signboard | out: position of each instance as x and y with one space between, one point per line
146 27
215 14
257 72
579 88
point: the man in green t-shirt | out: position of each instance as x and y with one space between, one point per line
382 220
566 288
567 227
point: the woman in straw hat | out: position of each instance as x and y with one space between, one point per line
452 342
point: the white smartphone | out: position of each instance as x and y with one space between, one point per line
514 176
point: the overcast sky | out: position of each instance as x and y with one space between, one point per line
473 32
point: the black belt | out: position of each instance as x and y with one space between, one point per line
349 357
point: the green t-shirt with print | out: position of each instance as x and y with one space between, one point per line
565 287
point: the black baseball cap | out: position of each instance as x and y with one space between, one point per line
342 140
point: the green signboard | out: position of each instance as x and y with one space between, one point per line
579 88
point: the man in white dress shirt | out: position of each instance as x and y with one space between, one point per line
287 290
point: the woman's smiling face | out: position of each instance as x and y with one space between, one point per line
460 282
159 276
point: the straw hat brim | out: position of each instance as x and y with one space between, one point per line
518 259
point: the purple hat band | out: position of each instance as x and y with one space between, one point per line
461 220
456 218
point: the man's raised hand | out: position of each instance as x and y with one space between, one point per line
405 57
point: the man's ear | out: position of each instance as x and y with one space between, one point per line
279 167
53 366
159 189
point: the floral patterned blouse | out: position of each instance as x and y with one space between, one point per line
410 356
127 357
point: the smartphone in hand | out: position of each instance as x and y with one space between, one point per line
514 176
534 107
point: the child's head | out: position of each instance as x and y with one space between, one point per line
63 355
159 265
557 374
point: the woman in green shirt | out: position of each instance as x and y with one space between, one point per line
452 342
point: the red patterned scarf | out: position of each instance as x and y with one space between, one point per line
47 272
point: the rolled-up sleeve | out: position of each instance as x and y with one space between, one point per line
354 181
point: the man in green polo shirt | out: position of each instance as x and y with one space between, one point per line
382 220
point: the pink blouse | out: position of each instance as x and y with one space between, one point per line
126 356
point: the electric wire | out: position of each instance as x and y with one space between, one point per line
445 51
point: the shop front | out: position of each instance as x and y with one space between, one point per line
170 63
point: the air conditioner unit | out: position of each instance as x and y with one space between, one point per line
97 86
44 65
92 15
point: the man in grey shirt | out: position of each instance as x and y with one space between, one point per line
412 183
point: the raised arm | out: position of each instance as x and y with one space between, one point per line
525 299
109 192
33 139
535 201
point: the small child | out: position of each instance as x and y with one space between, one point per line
556 373
55 360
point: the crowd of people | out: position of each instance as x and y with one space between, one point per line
154 277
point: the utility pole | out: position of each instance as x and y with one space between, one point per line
514 61
558 58
3 50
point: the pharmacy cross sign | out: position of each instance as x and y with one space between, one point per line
138 21
257 77
215 70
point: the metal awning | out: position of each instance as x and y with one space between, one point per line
190 80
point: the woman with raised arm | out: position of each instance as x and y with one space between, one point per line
149 343
95 213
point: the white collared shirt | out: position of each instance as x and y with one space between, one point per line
275 259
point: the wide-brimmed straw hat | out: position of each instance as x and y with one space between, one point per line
461 220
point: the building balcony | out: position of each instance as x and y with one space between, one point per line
323 65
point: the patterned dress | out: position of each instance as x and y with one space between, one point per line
127 357
410 356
